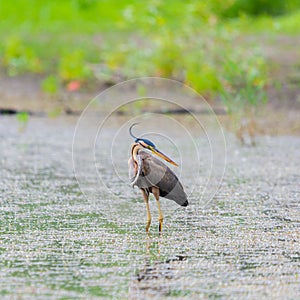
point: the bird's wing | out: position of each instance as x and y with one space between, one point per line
134 170
159 175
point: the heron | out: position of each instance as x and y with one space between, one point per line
151 175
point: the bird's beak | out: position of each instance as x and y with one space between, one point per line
165 157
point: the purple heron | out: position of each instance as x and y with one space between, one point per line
151 175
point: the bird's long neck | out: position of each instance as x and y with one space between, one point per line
135 148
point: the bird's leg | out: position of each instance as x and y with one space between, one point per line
155 192
146 199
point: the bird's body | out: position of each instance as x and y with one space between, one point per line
146 171
152 176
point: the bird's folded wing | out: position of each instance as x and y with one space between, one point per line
161 176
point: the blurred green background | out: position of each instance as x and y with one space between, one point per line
213 46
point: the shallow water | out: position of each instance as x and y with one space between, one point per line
58 244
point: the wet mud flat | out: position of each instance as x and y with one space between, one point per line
56 244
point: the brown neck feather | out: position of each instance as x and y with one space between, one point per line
135 148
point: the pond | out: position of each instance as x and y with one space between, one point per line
68 239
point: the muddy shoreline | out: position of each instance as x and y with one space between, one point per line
279 116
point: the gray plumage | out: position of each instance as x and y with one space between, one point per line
148 171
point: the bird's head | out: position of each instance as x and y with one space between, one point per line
147 144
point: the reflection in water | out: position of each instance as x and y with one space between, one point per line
158 275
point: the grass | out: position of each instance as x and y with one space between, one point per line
70 43
287 24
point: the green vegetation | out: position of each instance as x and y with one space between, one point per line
22 118
195 42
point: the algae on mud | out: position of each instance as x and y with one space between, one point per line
55 244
